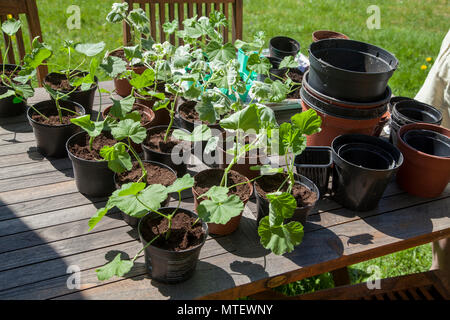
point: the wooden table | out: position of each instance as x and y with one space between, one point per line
44 230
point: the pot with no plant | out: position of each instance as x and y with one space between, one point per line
77 86
290 142
168 258
15 80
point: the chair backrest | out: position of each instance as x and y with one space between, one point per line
169 10
15 8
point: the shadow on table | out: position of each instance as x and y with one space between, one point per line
208 278
23 263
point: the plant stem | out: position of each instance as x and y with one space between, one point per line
150 209
172 114
141 164
145 247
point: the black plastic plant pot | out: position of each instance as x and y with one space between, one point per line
350 70
429 142
300 214
411 111
181 155
395 100
315 163
83 97
92 177
363 167
170 266
275 73
51 139
133 221
280 47
10 106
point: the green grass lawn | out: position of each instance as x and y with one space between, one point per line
411 29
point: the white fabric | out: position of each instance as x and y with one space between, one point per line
436 88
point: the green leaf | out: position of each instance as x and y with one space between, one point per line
308 122
117 156
211 145
280 239
246 119
183 183
97 217
135 116
139 20
92 128
146 79
205 110
39 53
135 202
8 93
290 140
258 64
11 26
113 66
282 206
216 194
133 52
217 51
117 13
220 211
288 62
192 93
90 49
24 90
170 27
121 108
129 129
266 169
116 267
200 133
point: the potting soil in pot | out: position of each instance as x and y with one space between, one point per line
84 152
155 141
155 174
53 118
184 234
204 182
269 184
59 82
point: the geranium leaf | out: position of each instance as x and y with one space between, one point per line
113 66
280 239
11 26
217 51
90 49
220 211
288 62
200 133
116 267
183 183
117 156
282 206
93 128
121 108
308 122
143 80
128 128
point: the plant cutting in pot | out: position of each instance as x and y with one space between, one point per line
290 142
162 231
77 86
121 62
15 86
220 194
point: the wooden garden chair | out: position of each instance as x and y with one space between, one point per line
29 9
161 11
430 285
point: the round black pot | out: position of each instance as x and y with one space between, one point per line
429 142
275 73
166 158
411 111
85 97
363 167
133 221
8 108
280 47
51 140
300 213
170 266
395 100
315 163
93 178
350 70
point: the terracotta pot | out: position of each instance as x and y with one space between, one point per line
122 86
422 174
162 116
327 34
244 163
147 111
230 226
337 120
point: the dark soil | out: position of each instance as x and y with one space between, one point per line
155 175
269 184
155 141
296 76
82 150
145 119
183 234
10 74
206 179
187 112
59 82
53 118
